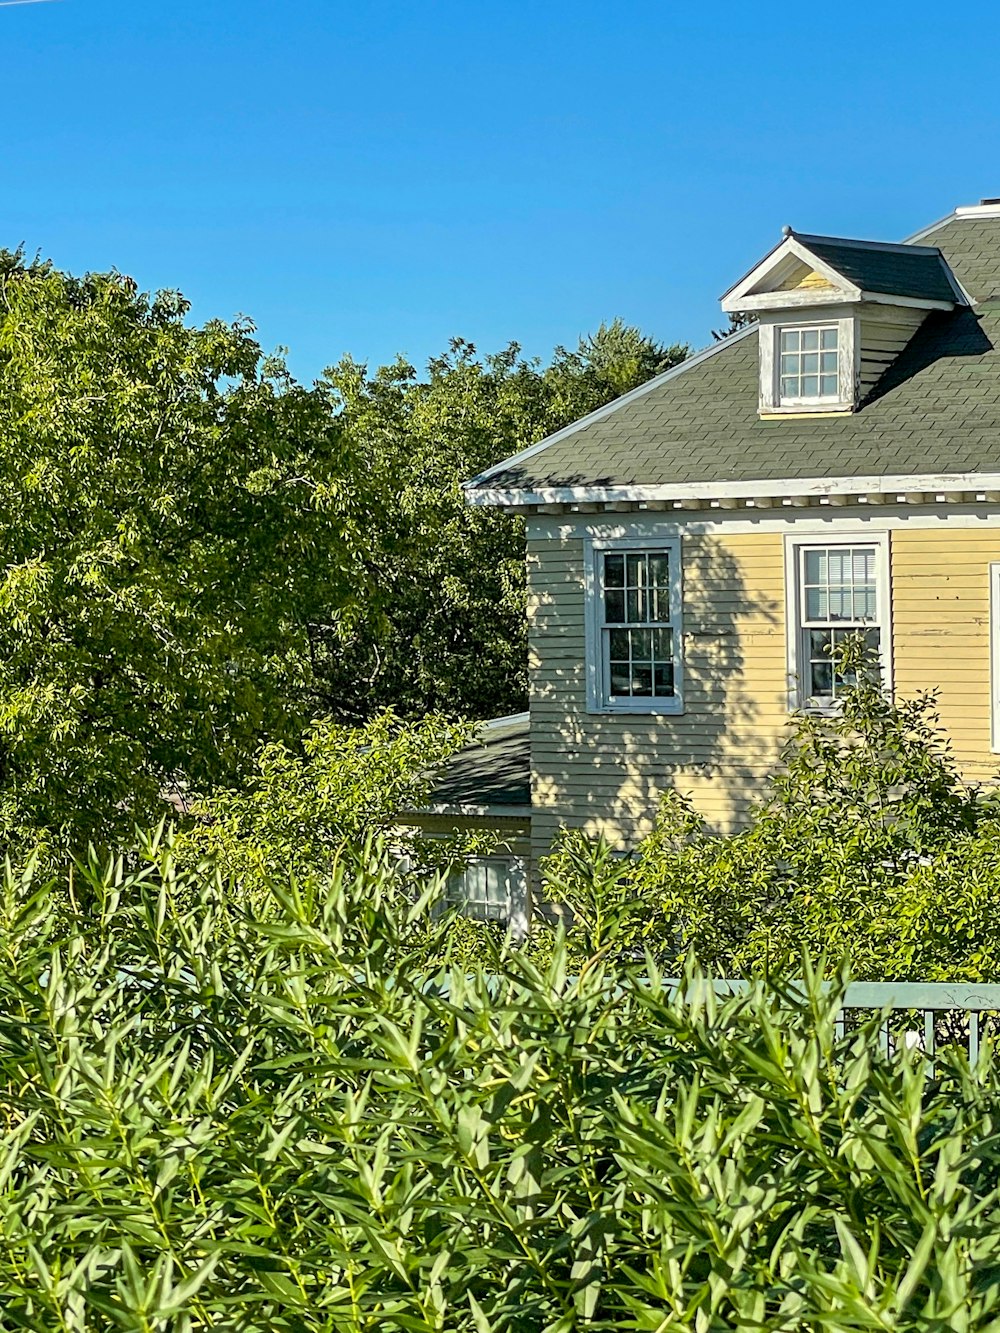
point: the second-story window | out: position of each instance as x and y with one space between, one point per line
809 364
635 616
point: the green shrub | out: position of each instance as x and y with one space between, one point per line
298 1116
867 842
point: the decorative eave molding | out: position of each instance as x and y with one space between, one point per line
518 812
798 492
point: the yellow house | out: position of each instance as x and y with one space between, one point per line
695 547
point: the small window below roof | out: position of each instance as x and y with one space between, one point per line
809 364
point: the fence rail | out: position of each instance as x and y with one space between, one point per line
951 1012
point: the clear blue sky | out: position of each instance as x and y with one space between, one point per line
374 178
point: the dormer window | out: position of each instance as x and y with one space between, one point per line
832 316
809 365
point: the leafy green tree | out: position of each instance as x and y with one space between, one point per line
442 626
302 809
174 513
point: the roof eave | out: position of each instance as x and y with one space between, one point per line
704 495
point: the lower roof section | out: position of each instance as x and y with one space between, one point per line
490 777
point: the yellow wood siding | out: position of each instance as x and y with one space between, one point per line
605 773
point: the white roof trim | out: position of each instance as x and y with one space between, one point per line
600 413
477 811
890 483
791 245
495 728
978 211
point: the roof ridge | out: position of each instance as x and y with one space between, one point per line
895 247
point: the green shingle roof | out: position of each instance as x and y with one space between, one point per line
890 270
495 771
936 410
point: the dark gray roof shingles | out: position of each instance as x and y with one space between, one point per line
888 270
492 772
936 409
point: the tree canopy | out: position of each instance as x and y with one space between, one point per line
174 512
201 555
442 620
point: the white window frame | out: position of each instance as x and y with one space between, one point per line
848 363
599 697
995 657
816 399
515 873
795 631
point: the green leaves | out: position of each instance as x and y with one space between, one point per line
173 520
290 1112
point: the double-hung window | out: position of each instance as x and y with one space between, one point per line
634 626
836 589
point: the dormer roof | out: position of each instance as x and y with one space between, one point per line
804 269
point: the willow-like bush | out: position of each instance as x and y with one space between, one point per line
306 1119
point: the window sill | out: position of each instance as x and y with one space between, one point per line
644 709
805 410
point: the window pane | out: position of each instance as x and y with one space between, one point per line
810 386
663 645
789 388
635 605
829 337
810 364
614 571
815 565
841 604
817 604
635 569
618 644
839 566
642 680
614 605
819 642
828 386
661 606
621 679
810 340
642 643
659 570
863 566
828 363
789 364
663 680
789 340
821 679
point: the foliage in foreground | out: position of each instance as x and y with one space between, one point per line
867 842
301 1120
301 809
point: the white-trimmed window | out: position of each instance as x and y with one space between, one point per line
836 589
808 363
490 888
634 626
